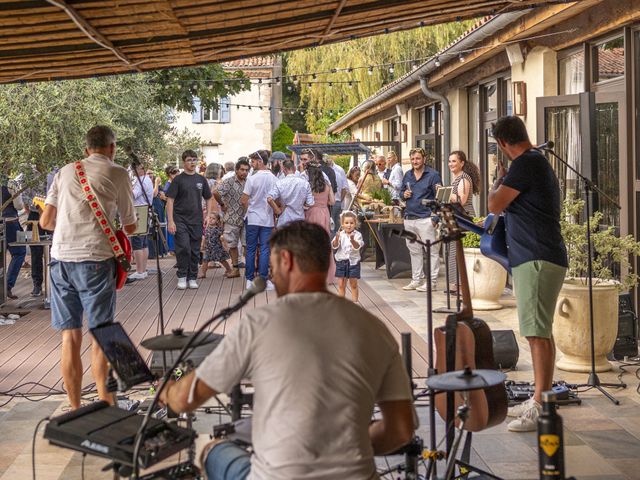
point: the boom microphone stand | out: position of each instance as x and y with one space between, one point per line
589 188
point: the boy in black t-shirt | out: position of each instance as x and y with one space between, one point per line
185 218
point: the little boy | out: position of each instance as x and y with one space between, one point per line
347 244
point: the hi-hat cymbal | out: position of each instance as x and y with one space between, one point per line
467 379
177 340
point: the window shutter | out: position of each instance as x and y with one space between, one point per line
196 116
225 111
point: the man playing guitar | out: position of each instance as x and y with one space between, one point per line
530 197
318 364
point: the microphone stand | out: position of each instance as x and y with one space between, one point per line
427 245
589 188
222 316
157 236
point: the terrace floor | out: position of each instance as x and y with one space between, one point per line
602 441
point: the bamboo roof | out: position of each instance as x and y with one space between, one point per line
57 39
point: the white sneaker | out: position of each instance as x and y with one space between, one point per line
270 286
193 284
423 287
138 275
182 283
412 286
527 421
519 408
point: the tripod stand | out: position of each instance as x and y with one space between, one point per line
589 188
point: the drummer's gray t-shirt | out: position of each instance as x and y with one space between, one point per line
318 364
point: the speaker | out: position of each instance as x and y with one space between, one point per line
627 338
505 349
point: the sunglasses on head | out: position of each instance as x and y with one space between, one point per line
307 151
418 150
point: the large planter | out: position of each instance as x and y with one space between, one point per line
486 280
571 329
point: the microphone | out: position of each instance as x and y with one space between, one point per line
548 145
258 285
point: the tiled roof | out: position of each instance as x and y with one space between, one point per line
611 62
267 61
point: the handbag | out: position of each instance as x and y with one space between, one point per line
120 244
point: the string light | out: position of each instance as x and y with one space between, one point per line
461 58
436 62
370 70
391 68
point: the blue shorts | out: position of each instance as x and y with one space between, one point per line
345 270
139 242
82 287
228 461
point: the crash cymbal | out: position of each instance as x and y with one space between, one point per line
467 379
177 339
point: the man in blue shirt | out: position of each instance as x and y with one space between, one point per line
420 183
530 197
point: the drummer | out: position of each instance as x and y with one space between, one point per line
315 388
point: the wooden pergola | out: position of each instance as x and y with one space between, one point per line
58 39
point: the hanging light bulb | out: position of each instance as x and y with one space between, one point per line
437 62
330 84
295 79
461 58
289 87
350 84
237 107
309 84
349 70
249 107
314 76
391 68
370 70
259 80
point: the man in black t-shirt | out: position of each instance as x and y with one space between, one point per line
185 218
530 197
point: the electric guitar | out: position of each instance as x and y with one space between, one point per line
466 341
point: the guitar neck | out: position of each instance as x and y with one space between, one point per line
467 309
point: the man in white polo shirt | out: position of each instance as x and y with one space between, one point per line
83 267
259 216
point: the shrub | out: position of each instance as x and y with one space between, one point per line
282 136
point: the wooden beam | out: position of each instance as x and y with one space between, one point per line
333 20
91 32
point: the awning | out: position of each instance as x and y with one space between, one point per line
58 39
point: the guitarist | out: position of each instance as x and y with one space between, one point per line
83 268
530 197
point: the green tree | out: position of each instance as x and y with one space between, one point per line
335 100
282 136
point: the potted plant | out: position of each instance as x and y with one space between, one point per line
486 277
571 328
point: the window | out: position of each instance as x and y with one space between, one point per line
571 74
204 115
490 100
608 60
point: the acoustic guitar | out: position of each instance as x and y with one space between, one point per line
466 341
493 241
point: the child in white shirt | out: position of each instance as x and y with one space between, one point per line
347 244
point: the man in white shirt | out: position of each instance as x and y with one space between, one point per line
229 168
142 196
289 195
394 182
82 259
381 168
259 215
343 189
318 363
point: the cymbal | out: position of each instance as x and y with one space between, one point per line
178 338
467 379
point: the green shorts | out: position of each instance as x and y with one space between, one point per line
537 285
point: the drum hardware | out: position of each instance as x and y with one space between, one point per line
178 339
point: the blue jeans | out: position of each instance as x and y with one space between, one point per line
227 461
17 253
78 287
257 235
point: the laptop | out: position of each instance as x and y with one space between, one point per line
122 355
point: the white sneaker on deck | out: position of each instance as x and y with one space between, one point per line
412 285
423 287
182 283
193 284
519 408
138 275
270 286
528 420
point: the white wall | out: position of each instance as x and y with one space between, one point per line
247 131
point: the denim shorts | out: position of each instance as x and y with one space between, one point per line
139 242
82 287
344 269
228 461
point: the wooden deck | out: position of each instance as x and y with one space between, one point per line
30 349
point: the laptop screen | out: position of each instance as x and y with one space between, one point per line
122 354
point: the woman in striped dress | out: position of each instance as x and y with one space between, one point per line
465 184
